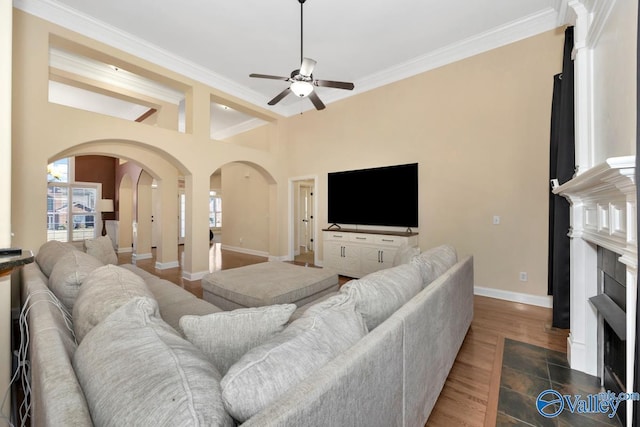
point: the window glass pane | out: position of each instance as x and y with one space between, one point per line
215 211
83 212
57 213
58 171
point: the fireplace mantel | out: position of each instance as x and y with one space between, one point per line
603 213
603 201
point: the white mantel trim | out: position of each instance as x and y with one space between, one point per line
605 196
603 213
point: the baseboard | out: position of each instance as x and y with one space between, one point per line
279 258
245 251
540 301
194 276
125 250
141 256
166 265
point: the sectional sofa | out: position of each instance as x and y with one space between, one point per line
115 345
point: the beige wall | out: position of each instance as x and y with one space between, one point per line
614 94
479 129
245 215
62 130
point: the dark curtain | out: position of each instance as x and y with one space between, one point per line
561 167
636 375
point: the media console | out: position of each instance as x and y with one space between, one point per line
355 253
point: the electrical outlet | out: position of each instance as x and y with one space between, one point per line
524 276
241 240
496 220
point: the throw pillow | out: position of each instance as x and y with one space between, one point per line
103 291
49 254
101 248
69 273
134 369
264 373
380 294
225 336
435 261
405 254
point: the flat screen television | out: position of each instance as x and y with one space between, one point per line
379 196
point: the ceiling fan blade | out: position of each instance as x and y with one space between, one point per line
313 96
267 76
307 66
337 85
279 96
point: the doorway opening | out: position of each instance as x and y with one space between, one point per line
302 215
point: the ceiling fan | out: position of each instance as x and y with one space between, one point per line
302 81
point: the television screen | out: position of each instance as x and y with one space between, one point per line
379 196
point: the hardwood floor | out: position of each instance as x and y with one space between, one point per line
465 398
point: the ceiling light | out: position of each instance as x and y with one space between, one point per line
301 89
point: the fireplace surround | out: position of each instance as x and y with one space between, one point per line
602 218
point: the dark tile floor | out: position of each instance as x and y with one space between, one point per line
528 370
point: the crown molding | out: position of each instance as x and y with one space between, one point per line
88 26
529 26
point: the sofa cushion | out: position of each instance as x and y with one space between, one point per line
378 295
264 373
405 254
135 369
224 337
49 254
101 248
435 261
103 291
69 273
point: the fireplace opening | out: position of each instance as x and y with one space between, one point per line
612 305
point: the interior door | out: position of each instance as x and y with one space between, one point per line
306 225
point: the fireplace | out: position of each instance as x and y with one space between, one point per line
611 303
604 264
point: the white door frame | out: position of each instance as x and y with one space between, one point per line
292 201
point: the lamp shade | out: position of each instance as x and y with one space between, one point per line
104 205
301 88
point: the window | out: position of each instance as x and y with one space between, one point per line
71 206
215 210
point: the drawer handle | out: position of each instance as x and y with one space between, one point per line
388 240
361 238
338 236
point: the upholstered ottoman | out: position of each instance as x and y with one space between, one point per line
267 283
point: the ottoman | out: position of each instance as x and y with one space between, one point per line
267 283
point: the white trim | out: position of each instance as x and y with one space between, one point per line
186 275
125 250
88 26
600 15
538 300
279 258
316 231
500 36
239 128
136 257
166 265
245 251
93 28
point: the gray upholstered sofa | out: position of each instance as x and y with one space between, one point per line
387 369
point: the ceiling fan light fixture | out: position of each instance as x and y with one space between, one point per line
301 88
